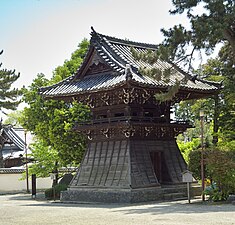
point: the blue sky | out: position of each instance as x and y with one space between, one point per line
38 35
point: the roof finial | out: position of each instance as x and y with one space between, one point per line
128 72
94 33
93 30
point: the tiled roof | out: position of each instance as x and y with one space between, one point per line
13 136
11 170
117 54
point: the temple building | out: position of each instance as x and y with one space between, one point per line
12 146
132 154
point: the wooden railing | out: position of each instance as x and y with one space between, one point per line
132 119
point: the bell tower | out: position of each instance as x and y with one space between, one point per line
131 154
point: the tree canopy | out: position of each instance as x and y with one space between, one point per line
8 95
211 23
220 109
52 121
13 118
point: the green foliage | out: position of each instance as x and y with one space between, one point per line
176 42
194 163
45 159
227 146
52 121
152 57
219 110
219 113
55 191
70 66
215 194
189 110
187 147
8 95
213 25
194 160
169 94
190 139
219 166
13 118
227 106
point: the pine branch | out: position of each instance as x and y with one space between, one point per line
170 94
8 96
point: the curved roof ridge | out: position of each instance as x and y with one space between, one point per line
106 47
210 82
56 84
14 137
111 57
120 58
124 41
85 59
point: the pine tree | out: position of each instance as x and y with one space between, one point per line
212 23
8 95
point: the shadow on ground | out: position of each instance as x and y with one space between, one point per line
141 208
181 207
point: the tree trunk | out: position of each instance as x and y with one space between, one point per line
216 124
229 35
55 171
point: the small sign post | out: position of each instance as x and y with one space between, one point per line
187 177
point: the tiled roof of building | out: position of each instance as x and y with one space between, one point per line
11 133
116 53
12 142
11 170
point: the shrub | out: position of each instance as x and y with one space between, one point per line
187 147
215 194
49 193
194 163
222 169
219 167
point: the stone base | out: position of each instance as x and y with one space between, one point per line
231 199
111 195
169 192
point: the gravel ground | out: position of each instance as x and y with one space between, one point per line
21 209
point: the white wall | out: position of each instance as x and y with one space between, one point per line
11 182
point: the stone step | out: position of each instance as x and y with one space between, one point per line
175 196
181 189
196 190
174 189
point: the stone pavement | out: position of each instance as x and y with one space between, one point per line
23 210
